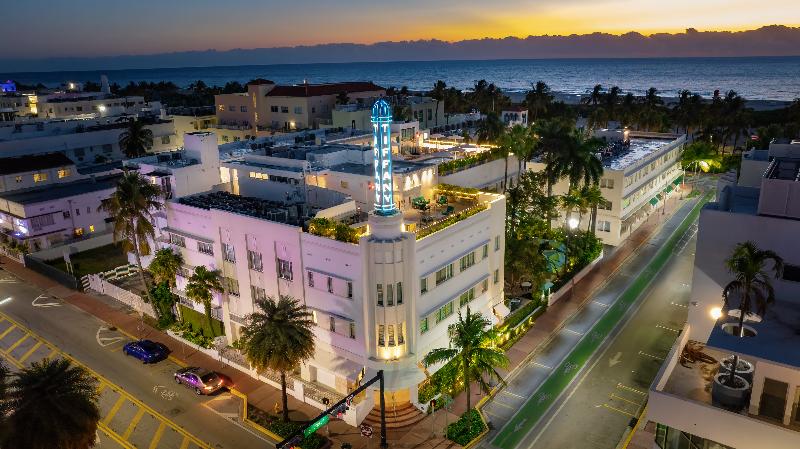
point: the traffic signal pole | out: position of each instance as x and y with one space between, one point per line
297 436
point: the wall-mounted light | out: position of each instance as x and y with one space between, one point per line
716 313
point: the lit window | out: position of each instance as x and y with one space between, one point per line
352 333
64 172
400 338
91 228
39 177
399 293
389 295
78 232
221 107
444 312
18 179
381 338
391 335
444 274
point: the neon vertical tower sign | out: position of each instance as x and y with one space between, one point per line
382 160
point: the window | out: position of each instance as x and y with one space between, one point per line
423 325
430 114
284 109
389 295
242 108
496 276
66 214
78 232
444 312
349 289
467 261
791 273
604 205
18 179
484 285
174 239
485 252
399 293
231 285
88 210
379 296
344 184
298 110
313 110
254 261
257 293
226 138
205 248
352 331
606 183
381 338
400 338
330 284
228 255
310 279
64 172
38 223
773 399
497 243
444 274
39 177
231 108
423 286
332 324
273 109
604 226
466 297
391 335
285 269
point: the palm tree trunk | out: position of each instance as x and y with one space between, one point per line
741 334
142 277
593 220
284 397
467 390
505 177
207 308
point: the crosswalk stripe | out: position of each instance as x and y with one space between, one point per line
114 409
133 424
157 436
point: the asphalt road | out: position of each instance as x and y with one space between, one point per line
613 390
141 404
541 386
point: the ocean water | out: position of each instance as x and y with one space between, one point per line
756 78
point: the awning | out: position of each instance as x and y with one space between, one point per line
669 188
678 180
659 196
653 201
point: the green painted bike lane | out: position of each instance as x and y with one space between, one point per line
546 395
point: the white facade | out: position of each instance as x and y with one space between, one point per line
767 216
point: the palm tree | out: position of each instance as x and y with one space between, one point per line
200 287
490 128
131 207
165 266
596 96
5 405
572 201
279 338
438 93
592 198
612 100
538 99
751 284
577 162
53 406
473 348
552 137
136 140
517 140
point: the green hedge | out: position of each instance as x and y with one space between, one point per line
518 315
453 219
198 322
325 227
456 165
467 428
276 425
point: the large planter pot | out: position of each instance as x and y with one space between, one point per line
733 398
743 368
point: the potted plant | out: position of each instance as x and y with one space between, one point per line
753 289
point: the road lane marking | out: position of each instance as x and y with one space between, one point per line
19 342
30 351
642 353
136 418
41 301
158 435
677 331
512 394
679 305
113 435
599 303
573 332
114 409
106 341
542 365
618 410
625 387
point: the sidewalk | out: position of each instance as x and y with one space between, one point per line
259 394
575 299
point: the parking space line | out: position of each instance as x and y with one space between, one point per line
114 409
157 436
625 387
7 331
53 352
132 425
677 331
30 351
102 387
19 342
642 353
618 410
185 443
113 435
614 396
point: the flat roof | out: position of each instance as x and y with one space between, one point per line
639 149
398 167
62 190
22 164
244 205
267 166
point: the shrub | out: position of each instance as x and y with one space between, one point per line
163 300
456 165
325 227
276 425
186 332
467 428
453 219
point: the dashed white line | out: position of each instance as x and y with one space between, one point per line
573 332
642 353
677 331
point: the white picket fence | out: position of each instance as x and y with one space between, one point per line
13 255
100 283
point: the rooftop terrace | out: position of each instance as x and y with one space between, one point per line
617 156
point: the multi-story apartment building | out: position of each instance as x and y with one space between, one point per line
83 141
684 399
190 120
639 171
268 106
36 171
381 301
67 105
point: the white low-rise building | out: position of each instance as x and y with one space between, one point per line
681 401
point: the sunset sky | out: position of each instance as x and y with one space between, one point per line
113 27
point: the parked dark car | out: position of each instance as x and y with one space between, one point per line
145 350
202 380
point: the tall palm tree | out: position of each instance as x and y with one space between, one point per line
596 96
577 162
201 286
279 337
438 93
136 140
5 404
519 141
538 99
751 284
552 137
53 406
612 100
131 206
592 197
490 128
165 266
572 201
472 346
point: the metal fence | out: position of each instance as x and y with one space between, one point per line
53 273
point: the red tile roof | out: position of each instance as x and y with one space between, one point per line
314 90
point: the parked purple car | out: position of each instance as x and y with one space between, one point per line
202 380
